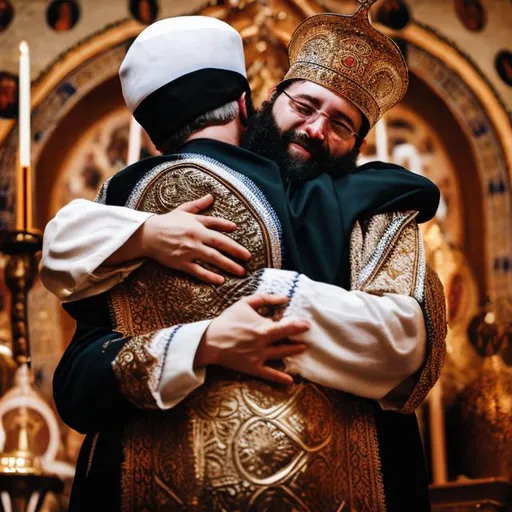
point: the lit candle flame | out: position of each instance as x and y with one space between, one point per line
24 48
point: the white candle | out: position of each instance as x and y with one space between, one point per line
134 142
24 183
24 105
381 141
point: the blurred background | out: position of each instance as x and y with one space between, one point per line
453 126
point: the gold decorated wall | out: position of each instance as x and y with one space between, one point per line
454 126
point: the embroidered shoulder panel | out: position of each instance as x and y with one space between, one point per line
177 184
388 256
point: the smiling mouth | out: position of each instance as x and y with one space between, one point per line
299 150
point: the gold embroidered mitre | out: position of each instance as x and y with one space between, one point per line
349 56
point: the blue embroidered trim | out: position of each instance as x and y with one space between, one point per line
293 287
168 344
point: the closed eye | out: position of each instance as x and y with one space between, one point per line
342 125
304 109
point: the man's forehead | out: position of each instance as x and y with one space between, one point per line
325 96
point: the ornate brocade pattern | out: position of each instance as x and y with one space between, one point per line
380 237
394 262
346 54
243 445
434 311
139 364
136 305
236 181
392 265
235 443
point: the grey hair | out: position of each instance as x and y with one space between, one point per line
218 116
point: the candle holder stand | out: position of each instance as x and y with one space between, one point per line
26 475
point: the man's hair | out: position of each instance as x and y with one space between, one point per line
218 116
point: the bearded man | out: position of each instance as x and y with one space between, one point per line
166 434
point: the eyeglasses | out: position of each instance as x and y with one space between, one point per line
311 114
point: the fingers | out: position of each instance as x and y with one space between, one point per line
202 273
286 328
216 223
228 246
265 299
271 374
197 205
283 351
220 261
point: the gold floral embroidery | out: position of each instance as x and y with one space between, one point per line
135 368
396 261
241 444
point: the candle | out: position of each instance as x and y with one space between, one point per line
24 182
381 141
437 435
134 142
24 105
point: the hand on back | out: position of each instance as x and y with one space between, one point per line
243 340
182 239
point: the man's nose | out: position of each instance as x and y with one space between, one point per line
317 129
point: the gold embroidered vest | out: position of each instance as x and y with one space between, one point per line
236 443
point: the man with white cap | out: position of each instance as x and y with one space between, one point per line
152 189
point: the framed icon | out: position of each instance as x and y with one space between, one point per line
503 63
472 14
62 15
6 14
145 11
8 95
394 14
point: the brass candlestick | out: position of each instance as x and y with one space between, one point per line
20 271
22 472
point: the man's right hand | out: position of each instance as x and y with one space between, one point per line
242 340
182 239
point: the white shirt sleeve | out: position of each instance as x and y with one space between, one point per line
78 240
359 343
179 377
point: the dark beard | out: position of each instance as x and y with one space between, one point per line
265 138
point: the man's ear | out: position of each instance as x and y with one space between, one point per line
363 145
271 91
242 105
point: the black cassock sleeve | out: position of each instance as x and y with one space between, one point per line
85 390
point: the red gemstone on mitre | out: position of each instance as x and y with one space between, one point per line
349 62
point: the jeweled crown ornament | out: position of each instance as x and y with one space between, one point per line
346 54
